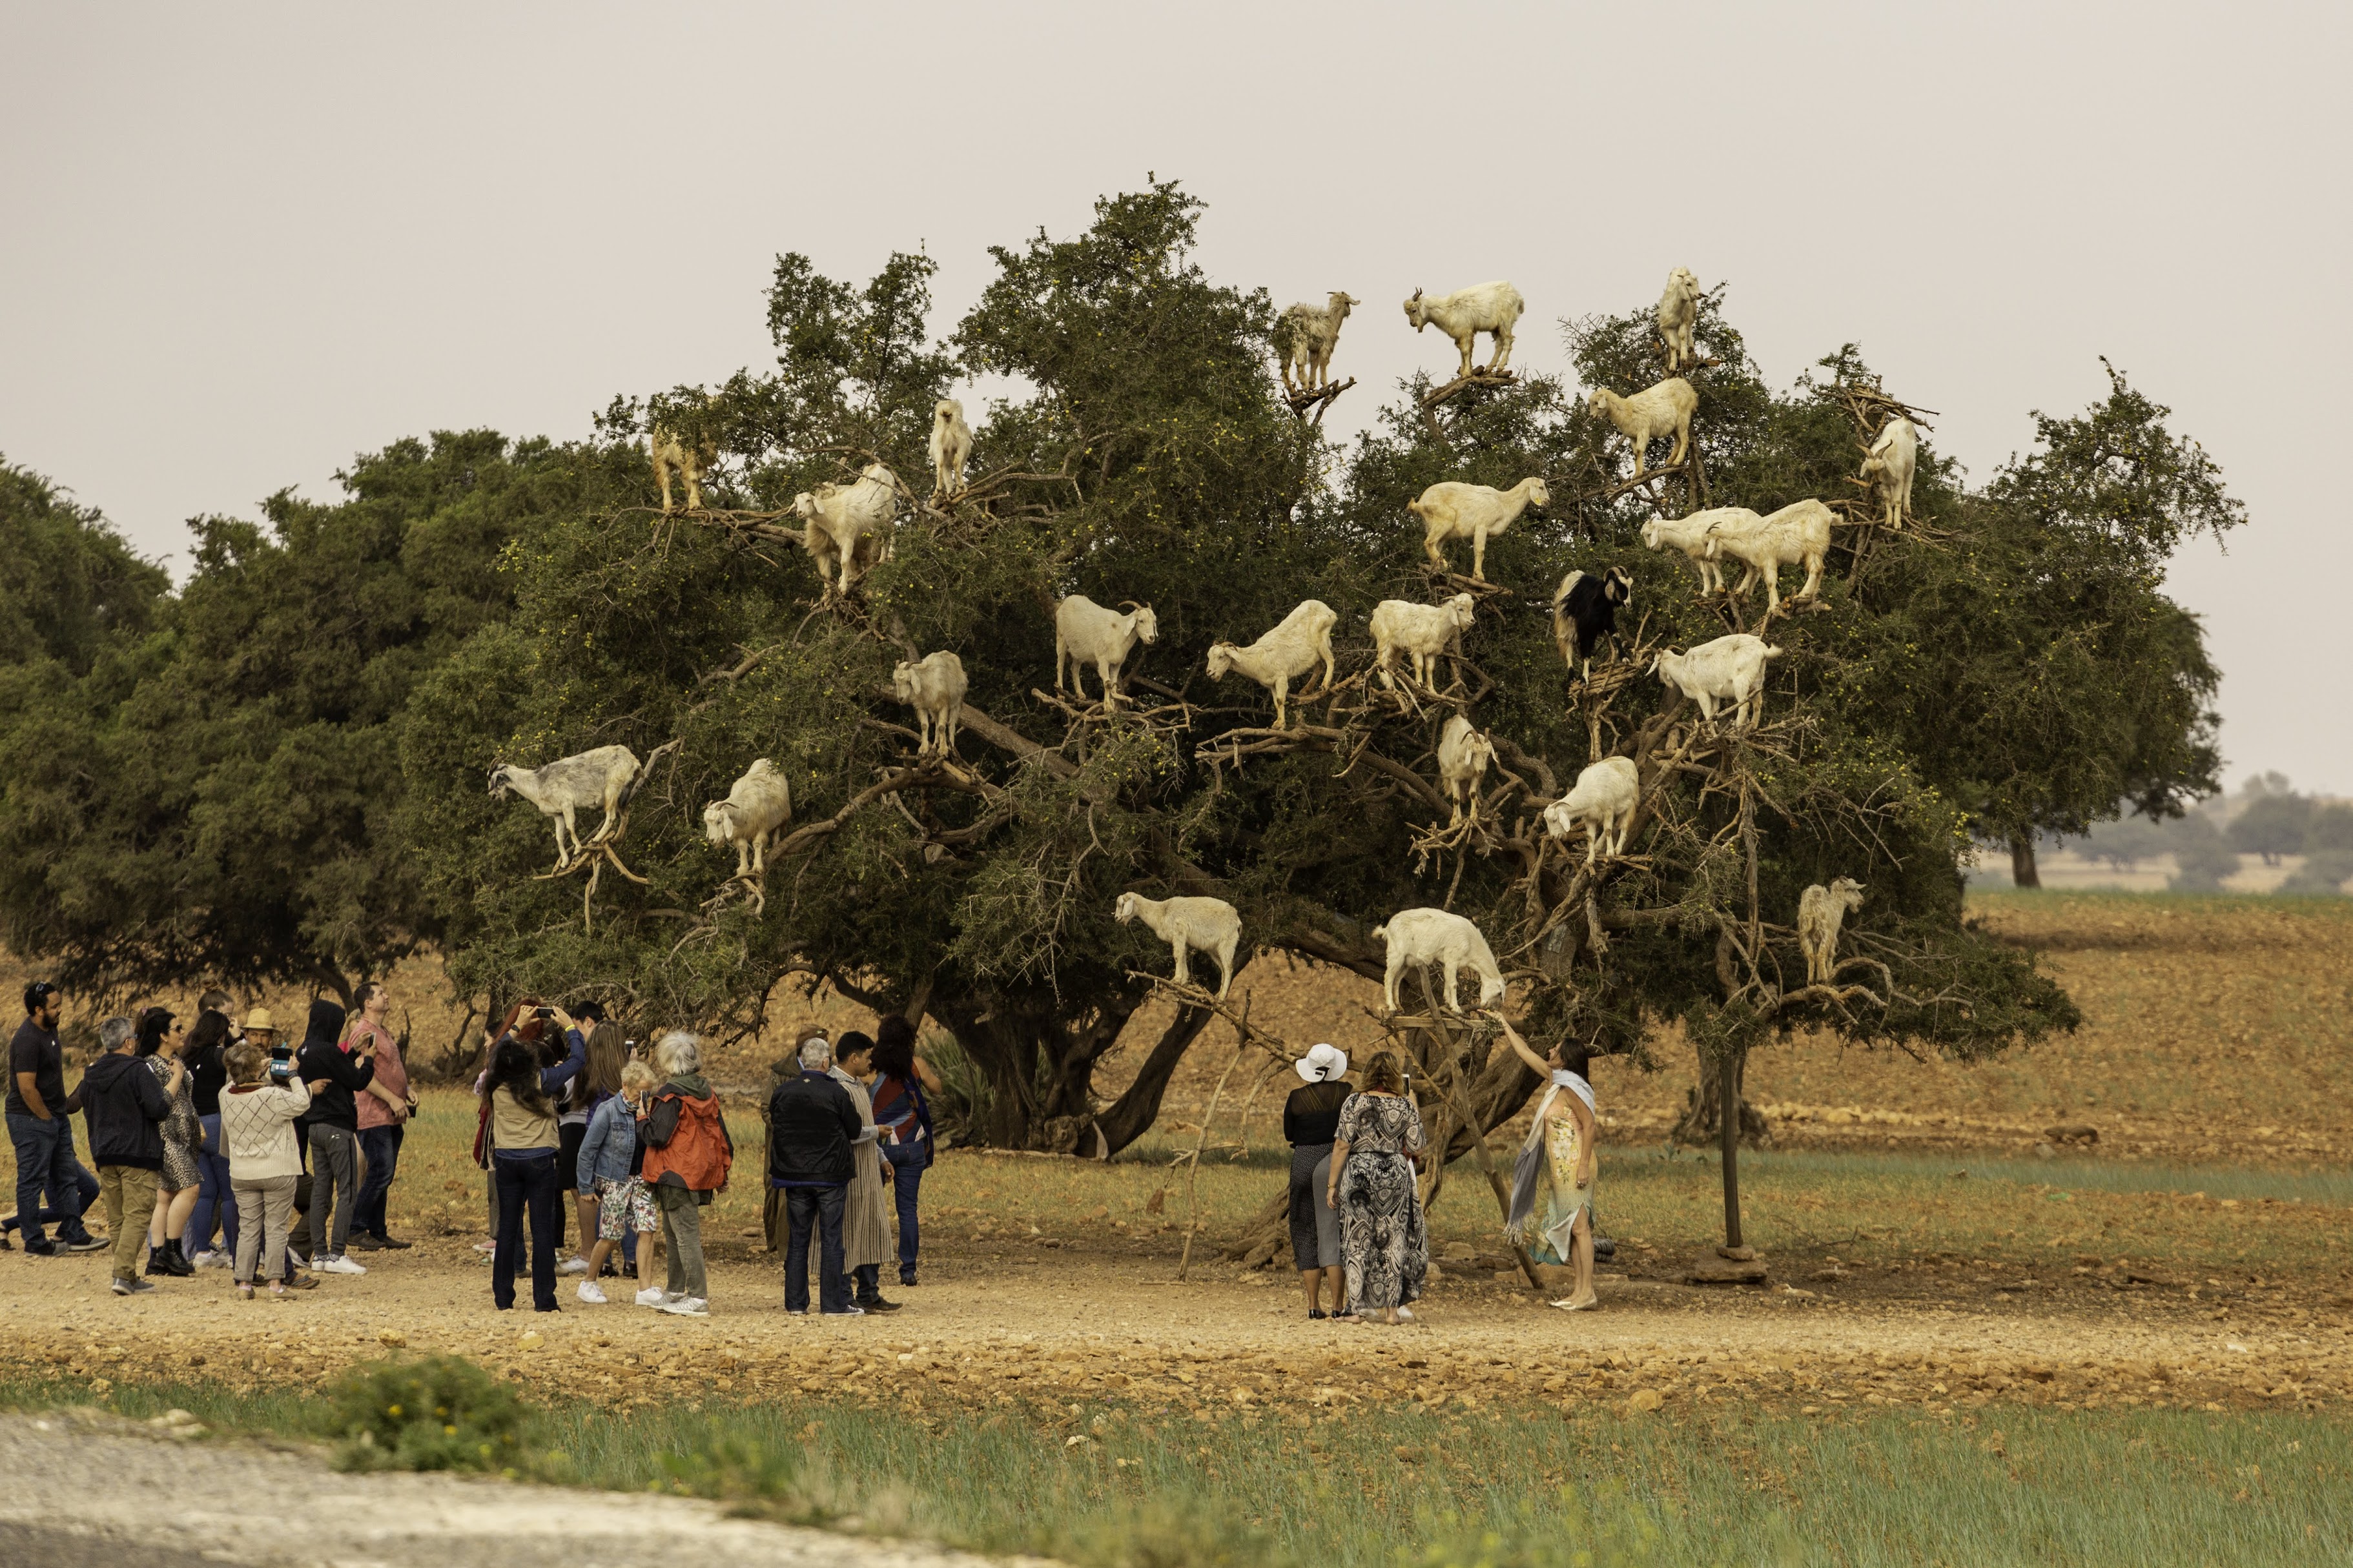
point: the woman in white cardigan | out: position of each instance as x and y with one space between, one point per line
257 1112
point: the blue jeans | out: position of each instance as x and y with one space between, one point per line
907 1162
380 1146
215 1206
45 1160
818 1209
527 1183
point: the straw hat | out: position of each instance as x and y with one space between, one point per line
1321 1064
260 1019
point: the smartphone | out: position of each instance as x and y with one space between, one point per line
543 1012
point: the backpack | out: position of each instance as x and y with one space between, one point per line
688 1138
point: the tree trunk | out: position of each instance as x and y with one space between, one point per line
1702 1120
2022 872
1733 1067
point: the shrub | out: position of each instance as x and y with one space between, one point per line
437 1413
2324 871
2203 863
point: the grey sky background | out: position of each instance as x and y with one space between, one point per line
244 243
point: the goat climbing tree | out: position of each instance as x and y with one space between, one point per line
1151 455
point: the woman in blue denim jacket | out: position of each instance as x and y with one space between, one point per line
609 1160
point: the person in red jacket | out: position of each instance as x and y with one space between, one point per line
688 1152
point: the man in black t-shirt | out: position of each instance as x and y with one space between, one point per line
38 1128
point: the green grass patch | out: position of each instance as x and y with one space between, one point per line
1398 1487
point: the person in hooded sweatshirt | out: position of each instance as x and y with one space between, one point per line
688 1154
335 1076
125 1104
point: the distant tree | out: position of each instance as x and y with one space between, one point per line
2202 857
2125 842
2326 872
2274 826
2330 830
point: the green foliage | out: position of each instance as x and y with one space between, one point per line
2324 871
216 801
2331 828
434 1413
74 588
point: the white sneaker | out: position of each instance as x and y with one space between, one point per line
573 1265
340 1265
688 1307
852 1311
206 1260
299 1261
652 1296
591 1294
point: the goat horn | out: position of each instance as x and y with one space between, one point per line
1131 604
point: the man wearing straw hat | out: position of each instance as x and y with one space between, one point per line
1311 1120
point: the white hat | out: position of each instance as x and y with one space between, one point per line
1321 1064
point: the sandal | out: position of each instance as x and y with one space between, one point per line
1316 1314
245 1292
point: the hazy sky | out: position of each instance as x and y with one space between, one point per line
244 243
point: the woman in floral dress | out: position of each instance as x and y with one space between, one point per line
1383 1245
1552 1187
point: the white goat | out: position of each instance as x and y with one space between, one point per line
1689 534
1418 938
1491 308
1210 925
951 448
673 457
1654 413
1796 535
848 528
607 777
1453 510
1603 802
935 686
760 802
1303 640
1729 669
1888 466
1464 755
1086 633
1308 334
1422 631
1821 911
1678 313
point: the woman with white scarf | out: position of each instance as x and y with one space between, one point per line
1552 1185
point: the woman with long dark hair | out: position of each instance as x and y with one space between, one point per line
599 1080
215 1206
902 1120
161 1037
1383 1246
522 1143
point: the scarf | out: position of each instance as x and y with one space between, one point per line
1528 1169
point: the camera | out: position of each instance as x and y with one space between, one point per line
282 1062
542 1013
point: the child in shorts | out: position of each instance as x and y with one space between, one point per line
610 1159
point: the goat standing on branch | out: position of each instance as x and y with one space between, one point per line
760 802
1303 640
1585 611
607 777
1678 313
1796 535
849 529
1207 925
951 449
1086 633
1729 669
1821 911
935 686
1306 334
1887 467
1690 535
1423 631
1603 803
687 458
1453 510
1419 938
1655 414
1491 308
1464 755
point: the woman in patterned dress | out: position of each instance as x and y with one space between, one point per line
1552 1192
1383 1247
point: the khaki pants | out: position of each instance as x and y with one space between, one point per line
129 1194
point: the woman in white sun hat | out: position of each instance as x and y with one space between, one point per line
1310 1119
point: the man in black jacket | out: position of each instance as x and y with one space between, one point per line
812 1123
43 1132
125 1108
335 1076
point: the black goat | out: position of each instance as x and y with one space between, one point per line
1585 611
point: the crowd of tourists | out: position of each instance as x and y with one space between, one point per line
1357 1233
221 1143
